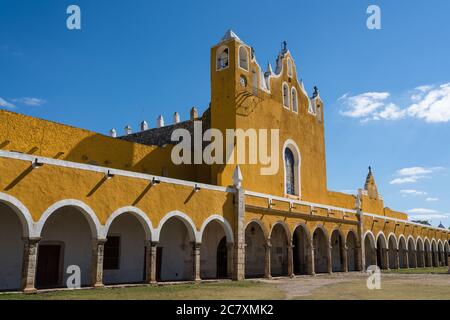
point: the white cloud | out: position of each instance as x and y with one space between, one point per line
433 106
413 192
430 199
414 174
426 214
428 102
6 104
364 105
32 102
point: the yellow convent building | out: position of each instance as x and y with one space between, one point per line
121 211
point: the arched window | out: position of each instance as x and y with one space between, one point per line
289 162
294 100
289 67
285 95
222 58
243 58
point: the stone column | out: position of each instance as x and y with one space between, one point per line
385 254
359 259
267 260
150 261
290 249
397 258
344 260
406 256
310 260
98 249
414 256
29 264
196 261
329 258
238 270
230 259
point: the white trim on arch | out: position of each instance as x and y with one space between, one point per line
136 212
374 241
22 212
289 143
413 241
244 47
287 99
400 237
223 222
421 241
261 225
389 240
91 217
187 221
381 233
286 230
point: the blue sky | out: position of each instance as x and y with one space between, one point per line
386 92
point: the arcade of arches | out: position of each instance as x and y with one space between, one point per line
128 254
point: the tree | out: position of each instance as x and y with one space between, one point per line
425 222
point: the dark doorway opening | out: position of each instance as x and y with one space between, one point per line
222 258
48 266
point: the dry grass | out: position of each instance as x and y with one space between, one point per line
394 286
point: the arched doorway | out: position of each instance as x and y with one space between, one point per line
370 253
446 252
66 240
428 254
434 252
382 258
279 251
337 251
402 253
321 247
214 252
254 250
124 251
174 257
420 253
302 247
441 254
351 251
11 248
392 247
412 253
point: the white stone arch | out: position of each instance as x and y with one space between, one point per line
294 98
439 245
383 237
261 225
325 232
194 235
447 246
355 235
413 241
289 143
223 222
138 214
400 238
304 227
389 240
243 56
433 244
88 213
419 240
371 238
22 212
286 230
